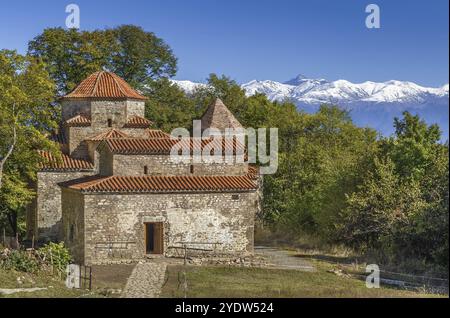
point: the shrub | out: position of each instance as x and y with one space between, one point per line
19 261
56 255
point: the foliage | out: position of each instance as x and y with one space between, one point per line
56 255
402 206
168 106
129 51
27 115
19 260
52 255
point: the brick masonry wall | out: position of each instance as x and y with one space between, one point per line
45 213
115 224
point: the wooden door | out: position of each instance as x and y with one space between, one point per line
154 238
158 238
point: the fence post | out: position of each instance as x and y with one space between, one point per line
51 260
90 277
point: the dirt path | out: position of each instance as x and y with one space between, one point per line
283 259
145 281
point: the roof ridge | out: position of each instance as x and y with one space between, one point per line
97 80
117 84
108 135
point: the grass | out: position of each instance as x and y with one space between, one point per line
107 281
55 286
229 282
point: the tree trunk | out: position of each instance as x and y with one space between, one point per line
11 148
12 219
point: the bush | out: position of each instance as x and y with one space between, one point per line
56 255
19 261
52 255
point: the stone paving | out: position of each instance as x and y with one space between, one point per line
279 258
146 280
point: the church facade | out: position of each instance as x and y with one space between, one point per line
116 194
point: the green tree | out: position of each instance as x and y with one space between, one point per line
168 106
71 55
401 208
223 87
376 211
26 116
413 147
141 55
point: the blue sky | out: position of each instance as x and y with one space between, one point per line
266 39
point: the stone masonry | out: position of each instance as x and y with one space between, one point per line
117 195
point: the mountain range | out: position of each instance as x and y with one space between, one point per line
371 104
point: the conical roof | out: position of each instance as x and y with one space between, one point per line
219 116
104 84
110 134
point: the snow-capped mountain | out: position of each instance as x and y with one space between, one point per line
317 91
370 103
188 86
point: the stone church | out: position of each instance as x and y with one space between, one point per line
116 195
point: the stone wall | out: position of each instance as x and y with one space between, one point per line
45 212
73 224
72 108
102 110
135 108
78 147
104 163
133 165
135 132
115 224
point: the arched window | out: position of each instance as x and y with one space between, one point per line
146 170
109 122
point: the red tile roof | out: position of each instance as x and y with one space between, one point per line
253 172
161 184
51 163
154 133
104 85
110 134
140 145
78 121
218 116
135 146
138 122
